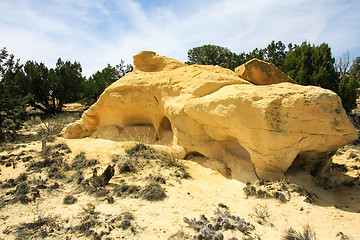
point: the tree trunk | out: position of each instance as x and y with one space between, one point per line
37 106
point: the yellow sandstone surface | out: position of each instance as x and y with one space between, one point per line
244 130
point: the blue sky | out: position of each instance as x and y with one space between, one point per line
98 32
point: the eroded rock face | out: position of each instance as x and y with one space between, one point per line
247 130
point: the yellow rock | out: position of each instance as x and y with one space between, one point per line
262 73
244 130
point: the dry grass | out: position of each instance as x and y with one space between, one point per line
41 227
261 212
307 234
153 192
69 199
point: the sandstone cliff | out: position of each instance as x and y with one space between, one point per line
246 130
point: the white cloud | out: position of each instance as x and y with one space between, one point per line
99 32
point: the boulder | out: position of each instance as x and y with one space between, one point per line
262 73
244 130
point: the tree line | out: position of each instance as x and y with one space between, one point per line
33 84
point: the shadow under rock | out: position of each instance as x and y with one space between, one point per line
338 190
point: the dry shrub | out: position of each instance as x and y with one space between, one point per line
42 227
69 199
127 166
308 234
153 192
81 162
261 212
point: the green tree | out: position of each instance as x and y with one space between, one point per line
349 85
67 83
48 90
256 53
348 92
100 80
12 104
275 53
355 69
235 60
37 86
210 55
312 65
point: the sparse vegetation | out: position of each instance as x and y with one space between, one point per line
261 212
126 218
180 235
126 190
142 151
342 236
62 146
221 221
307 234
22 177
41 227
153 192
157 178
280 190
52 159
78 177
127 166
250 190
49 130
69 199
89 221
81 162
97 184
92 221
56 173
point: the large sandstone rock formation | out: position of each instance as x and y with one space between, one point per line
245 128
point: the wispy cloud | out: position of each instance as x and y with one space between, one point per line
97 32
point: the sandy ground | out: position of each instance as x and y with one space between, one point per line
329 211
